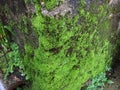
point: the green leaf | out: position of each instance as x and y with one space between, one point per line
110 82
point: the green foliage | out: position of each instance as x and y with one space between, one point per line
14 60
3 47
70 51
50 4
3 36
98 82
9 52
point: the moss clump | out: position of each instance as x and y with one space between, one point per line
70 51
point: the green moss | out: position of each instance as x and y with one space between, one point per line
69 52
50 4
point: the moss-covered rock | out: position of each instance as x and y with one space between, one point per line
71 51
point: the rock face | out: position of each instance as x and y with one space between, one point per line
115 24
17 18
113 3
115 17
68 6
61 10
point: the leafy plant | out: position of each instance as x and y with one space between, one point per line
99 82
14 60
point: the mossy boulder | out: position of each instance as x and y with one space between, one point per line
71 50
